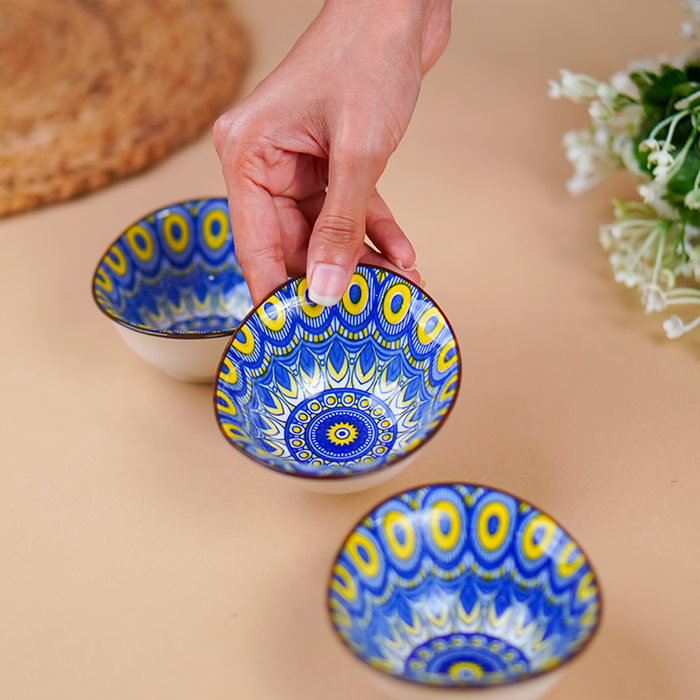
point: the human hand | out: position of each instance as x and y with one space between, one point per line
302 154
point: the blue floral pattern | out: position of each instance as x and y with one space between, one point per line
332 391
462 585
175 272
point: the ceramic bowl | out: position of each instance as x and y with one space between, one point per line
339 398
172 284
459 590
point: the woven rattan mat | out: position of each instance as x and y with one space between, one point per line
93 90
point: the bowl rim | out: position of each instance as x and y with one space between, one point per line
461 688
378 467
147 330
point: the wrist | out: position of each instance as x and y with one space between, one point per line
425 24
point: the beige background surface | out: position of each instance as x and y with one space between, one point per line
141 557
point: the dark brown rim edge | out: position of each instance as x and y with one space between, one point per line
440 688
194 335
379 467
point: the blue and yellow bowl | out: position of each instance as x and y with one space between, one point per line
460 586
339 397
174 287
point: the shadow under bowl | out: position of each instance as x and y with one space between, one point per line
460 590
339 398
172 284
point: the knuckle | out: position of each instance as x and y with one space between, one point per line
339 231
230 133
221 131
369 151
258 254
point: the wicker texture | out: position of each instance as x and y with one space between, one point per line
94 90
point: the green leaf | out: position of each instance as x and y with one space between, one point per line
657 95
692 71
642 79
690 216
684 130
684 180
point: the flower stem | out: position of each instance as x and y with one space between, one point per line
684 290
682 300
672 120
659 254
650 239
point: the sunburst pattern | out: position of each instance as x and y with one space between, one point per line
342 433
328 391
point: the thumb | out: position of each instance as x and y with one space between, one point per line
337 240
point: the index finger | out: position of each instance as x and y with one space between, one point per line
256 235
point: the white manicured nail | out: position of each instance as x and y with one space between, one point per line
327 284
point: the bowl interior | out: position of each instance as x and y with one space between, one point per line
461 585
175 272
335 391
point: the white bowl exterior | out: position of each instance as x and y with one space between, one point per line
348 484
188 359
527 690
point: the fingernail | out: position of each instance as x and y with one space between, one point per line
422 283
399 264
327 284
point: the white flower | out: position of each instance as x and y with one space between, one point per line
674 327
662 157
623 147
652 193
649 145
683 59
606 236
664 162
647 193
645 65
644 240
555 91
629 118
687 30
686 101
607 94
600 111
615 260
694 7
627 277
632 227
624 85
577 184
574 86
589 152
601 137
653 298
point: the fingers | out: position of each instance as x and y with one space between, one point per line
252 211
436 33
280 196
256 226
296 219
372 257
274 241
295 232
387 236
339 232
